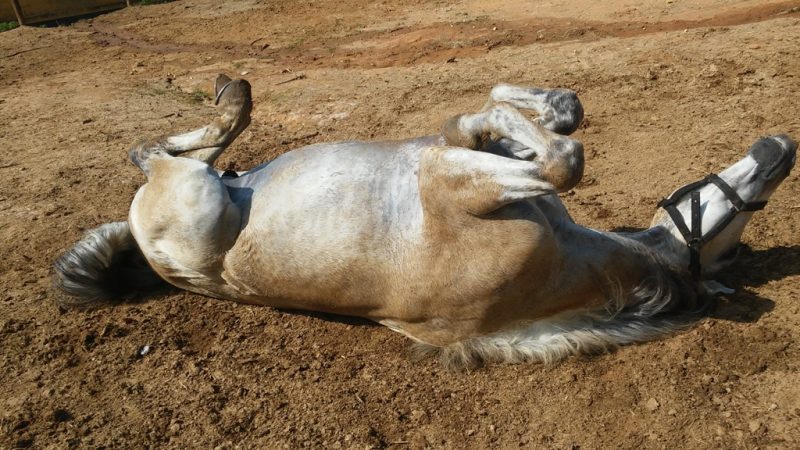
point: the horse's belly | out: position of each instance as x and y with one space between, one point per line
345 233
328 230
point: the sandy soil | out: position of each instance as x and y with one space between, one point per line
673 89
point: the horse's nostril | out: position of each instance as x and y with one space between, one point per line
767 151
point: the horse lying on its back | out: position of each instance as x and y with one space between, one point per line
456 240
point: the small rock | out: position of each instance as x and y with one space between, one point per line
651 405
470 432
672 412
143 350
174 427
754 46
243 73
754 426
711 71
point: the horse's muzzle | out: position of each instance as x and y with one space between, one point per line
775 155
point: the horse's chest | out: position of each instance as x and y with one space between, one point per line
489 253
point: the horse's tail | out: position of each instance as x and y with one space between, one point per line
104 266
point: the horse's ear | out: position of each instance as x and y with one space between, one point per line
219 83
712 288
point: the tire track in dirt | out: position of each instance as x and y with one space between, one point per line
435 42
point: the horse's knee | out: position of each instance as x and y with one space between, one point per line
563 165
143 152
457 136
565 113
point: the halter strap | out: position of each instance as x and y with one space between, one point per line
694 237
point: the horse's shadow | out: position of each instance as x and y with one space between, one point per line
752 269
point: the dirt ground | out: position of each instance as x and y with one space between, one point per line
672 90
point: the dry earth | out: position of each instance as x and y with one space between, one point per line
673 89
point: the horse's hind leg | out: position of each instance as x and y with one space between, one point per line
184 221
234 101
559 110
504 129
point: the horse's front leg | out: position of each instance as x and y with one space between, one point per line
476 182
560 158
559 110
234 102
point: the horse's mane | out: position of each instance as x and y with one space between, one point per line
661 304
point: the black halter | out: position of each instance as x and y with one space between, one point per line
694 237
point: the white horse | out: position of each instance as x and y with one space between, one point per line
458 240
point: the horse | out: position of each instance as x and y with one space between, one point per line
457 240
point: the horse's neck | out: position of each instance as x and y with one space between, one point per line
599 265
662 243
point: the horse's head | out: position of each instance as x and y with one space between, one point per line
722 205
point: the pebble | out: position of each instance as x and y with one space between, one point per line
652 405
